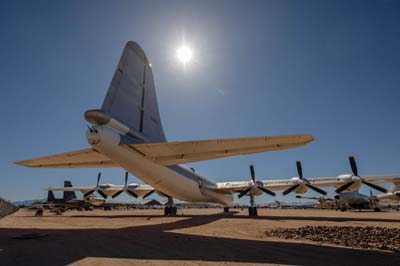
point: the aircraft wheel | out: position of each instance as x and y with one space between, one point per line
253 211
226 209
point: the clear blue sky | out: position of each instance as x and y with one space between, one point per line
327 68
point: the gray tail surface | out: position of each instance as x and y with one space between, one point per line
50 196
68 195
131 98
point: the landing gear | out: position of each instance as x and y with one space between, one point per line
226 209
170 209
252 211
252 208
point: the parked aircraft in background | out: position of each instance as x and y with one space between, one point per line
392 196
357 200
67 202
127 132
348 200
324 202
110 190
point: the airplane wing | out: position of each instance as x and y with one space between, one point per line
283 184
110 190
171 153
87 158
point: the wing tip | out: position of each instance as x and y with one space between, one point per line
22 163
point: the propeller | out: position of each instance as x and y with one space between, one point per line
96 189
257 184
148 193
125 189
302 181
356 177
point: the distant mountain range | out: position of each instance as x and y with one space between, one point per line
27 202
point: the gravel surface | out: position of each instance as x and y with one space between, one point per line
369 237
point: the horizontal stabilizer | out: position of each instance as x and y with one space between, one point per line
172 153
88 158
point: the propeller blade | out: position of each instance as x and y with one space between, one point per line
381 189
117 194
252 173
316 189
126 179
353 165
344 187
299 169
102 193
130 192
148 194
88 193
302 197
244 192
266 191
287 191
98 178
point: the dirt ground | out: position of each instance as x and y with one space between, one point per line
194 237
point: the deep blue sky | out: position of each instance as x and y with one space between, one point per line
330 69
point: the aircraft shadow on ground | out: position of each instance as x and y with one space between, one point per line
235 215
156 242
318 218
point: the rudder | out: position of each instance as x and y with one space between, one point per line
68 195
131 98
50 196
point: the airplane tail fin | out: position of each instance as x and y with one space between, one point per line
131 102
68 195
50 196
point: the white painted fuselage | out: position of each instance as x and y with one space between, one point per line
182 184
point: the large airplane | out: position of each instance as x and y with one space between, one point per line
127 132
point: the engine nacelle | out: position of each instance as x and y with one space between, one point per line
302 188
348 178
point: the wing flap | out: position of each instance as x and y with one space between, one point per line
87 158
171 153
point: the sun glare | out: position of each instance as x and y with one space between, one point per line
184 54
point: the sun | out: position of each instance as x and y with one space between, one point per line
184 54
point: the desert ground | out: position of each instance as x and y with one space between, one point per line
194 237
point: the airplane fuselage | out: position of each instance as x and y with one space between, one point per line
174 181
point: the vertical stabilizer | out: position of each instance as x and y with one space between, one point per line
50 196
68 195
131 98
